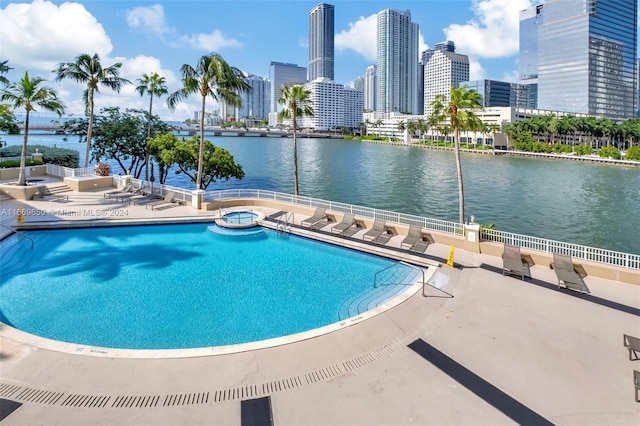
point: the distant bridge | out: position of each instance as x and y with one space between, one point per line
215 131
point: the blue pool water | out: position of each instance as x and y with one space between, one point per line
239 217
181 286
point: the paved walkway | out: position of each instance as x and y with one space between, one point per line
502 351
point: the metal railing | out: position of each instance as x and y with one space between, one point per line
18 158
61 171
180 194
19 234
401 218
593 254
283 225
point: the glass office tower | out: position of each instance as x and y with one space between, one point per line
586 61
397 71
321 49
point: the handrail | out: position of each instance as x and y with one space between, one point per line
18 233
375 276
284 224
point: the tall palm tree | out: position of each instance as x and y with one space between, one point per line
297 103
88 70
154 85
212 76
4 68
457 111
28 93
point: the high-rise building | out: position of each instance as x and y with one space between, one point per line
397 53
500 93
334 105
358 83
444 69
370 88
282 73
584 54
321 50
255 102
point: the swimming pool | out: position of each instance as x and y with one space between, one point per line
182 286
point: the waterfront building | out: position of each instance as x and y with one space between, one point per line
321 43
370 88
255 102
500 93
444 68
334 105
397 60
583 54
282 73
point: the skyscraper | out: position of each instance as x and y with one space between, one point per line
444 69
321 50
584 55
397 53
255 102
281 73
370 88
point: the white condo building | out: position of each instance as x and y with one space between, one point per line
443 70
334 105
370 88
397 54
255 102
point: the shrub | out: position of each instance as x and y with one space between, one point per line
16 163
102 169
583 150
609 152
60 156
633 153
559 148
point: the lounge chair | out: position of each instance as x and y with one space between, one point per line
118 192
376 230
133 193
44 192
389 232
566 274
346 223
413 237
166 202
317 217
328 218
633 345
512 263
636 382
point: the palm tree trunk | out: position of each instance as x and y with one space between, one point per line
146 148
22 179
295 153
459 170
201 151
87 152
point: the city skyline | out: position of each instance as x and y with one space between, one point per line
161 36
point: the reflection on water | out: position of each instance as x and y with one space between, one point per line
581 203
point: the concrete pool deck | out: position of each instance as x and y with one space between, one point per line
502 351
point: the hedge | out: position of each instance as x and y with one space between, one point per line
61 156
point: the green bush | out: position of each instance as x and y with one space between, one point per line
559 148
609 151
60 156
16 163
347 137
583 150
633 153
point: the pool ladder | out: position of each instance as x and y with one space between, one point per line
283 225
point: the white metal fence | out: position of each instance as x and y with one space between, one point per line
61 171
609 257
180 194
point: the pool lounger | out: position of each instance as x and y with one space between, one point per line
317 217
165 203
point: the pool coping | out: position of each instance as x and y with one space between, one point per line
24 337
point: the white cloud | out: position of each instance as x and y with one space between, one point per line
511 76
209 42
149 19
493 33
133 68
360 37
40 34
476 71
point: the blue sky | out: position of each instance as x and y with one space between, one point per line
160 36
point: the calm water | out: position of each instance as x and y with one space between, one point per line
581 203
132 287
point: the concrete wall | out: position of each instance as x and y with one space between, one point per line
88 183
14 172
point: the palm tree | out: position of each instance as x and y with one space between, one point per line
297 103
4 68
88 70
154 85
367 124
214 77
27 94
401 126
458 112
